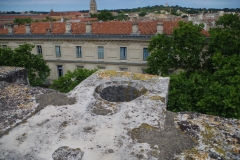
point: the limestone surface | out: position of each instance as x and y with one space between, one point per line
129 121
102 129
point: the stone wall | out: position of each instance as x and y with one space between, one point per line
14 75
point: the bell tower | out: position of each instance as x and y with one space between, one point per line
93 7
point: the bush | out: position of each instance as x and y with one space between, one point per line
71 79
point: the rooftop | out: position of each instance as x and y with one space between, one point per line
107 28
93 122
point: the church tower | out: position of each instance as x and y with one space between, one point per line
93 7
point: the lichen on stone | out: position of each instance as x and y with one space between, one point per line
158 98
135 132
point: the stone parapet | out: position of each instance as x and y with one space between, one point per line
14 75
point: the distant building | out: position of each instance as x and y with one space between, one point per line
114 45
93 7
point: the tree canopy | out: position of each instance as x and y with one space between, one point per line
209 82
70 80
184 49
22 21
105 15
38 70
142 14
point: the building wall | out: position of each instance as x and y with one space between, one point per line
133 63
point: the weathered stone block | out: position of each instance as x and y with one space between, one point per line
16 75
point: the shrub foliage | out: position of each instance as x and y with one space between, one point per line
71 79
209 83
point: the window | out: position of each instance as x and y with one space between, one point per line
123 69
123 53
102 67
60 71
4 46
80 67
79 51
58 51
146 54
100 52
39 49
143 71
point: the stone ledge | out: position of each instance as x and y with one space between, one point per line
16 75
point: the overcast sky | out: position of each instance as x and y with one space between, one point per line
76 5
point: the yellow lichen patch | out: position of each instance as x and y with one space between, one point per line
6 68
209 132
220 151
125 74
193 154
143 77
107 73
26 106
157 98
134 76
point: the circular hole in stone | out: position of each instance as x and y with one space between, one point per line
120 93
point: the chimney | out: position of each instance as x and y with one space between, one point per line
68 28
135 30
10 28
160 27
88 28
28 28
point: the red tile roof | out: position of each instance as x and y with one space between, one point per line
147 28
3 31
78 28
20 29
115 27
168 26
58 28
39 27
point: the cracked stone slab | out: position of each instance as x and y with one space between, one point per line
79 125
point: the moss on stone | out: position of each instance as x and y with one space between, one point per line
107 73
135 131
134 76
158 98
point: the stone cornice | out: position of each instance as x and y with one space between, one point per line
76 37
96 62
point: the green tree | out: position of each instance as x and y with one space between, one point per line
105 15
38 70
182 50
94 15
70 80
221 97
209 83
225 37
142 14
22 21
